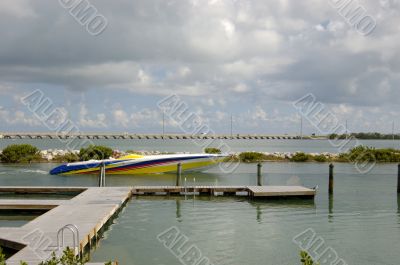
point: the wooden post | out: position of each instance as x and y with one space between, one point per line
259 176
331 166
398 178
178 174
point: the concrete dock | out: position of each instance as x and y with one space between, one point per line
88 211
246 191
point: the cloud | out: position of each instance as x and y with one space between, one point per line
194 49
227 56
17 8
18 118
260 114
121 118
146 117
85 121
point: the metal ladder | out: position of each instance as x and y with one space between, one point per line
102 175
75 236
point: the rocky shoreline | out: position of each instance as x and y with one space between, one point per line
59 155
27 153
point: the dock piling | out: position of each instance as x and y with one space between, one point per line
185 189
398 178
102 175
331 166
259 176
178 174
194 189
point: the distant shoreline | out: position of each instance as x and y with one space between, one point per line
64 156
172 136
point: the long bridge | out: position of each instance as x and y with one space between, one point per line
111 136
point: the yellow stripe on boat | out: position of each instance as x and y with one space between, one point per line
131 156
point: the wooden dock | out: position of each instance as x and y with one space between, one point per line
91 208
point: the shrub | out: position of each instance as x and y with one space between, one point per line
17 153
299 157
231 158
333 136
68 157
2 257
251 157
370 154
212 150
96 152
306 259
320 158
68 257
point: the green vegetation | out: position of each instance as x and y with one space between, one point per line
68 157
251 157
334 136
370 154
212 150
68 258
2 258
96 152
306 259
20 153
300 157
320 158
25 153
357 154
369 136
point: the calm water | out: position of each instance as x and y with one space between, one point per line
14 219
361 222
308 146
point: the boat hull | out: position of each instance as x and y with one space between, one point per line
146 165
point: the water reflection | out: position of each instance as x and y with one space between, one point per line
330 215
178 210
259 213
398 204
263 206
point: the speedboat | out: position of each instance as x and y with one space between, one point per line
138 164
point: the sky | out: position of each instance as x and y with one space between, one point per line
249 59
